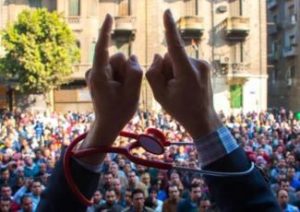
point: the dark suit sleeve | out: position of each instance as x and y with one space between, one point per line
244 193
58 197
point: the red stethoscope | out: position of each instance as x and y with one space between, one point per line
153 141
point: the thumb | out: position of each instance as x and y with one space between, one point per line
156 78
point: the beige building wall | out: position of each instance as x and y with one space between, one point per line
229 34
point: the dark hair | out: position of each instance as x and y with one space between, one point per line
110 190
194 185
153 189
108 173
137 191
24 197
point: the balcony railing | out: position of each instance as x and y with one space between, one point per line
236 69
290 51
191 27
291 21
75 22
272 28
272 4
239 68
124 26
237 28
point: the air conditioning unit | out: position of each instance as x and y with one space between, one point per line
289 82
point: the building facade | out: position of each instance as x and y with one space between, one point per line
231 35
283 53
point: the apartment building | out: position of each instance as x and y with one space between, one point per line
283 53
230 34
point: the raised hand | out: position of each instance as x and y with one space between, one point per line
182 85
114 84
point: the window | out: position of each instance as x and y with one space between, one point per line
74 7
292 18
236 96
53 5
191 7
35 3
91 52
124 8
291 10
275 18
274 76
292 41
124 47
78 45
293 72
241 52
192 49
235 8
275 49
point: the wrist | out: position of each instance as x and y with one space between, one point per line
203 126
98 135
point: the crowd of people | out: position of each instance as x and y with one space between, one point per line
31 144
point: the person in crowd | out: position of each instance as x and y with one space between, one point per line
119 190
26 204
107 182
117 173
174 198
128 198
138 202
205 204
5 204
193 202
110 204
6 193
97 201
5 177
283 200
152 201
33 189
134 183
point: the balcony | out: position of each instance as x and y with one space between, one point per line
274 56
75 22
191 27
239 73
272 4
290 51
273 28
239 68
291 21
237 28
124 27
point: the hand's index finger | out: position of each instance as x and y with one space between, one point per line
101 57
175 45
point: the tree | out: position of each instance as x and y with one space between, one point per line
40 51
